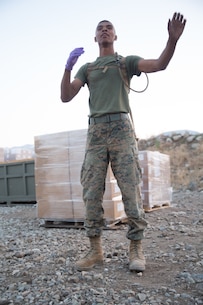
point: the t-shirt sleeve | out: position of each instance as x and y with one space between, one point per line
82 74
132 65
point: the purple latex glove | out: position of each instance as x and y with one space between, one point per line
73 57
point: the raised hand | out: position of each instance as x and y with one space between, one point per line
176 26
73 57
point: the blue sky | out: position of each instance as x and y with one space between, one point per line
38 35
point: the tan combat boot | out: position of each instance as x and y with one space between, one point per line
137 259
93 257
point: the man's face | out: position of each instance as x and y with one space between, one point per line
105 33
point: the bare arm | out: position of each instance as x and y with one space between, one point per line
175 29
69 89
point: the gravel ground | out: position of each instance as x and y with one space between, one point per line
37 263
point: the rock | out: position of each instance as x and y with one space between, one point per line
38 265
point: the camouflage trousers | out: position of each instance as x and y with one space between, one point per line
114 143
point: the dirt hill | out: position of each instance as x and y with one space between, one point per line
186 157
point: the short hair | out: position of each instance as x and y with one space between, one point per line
105 21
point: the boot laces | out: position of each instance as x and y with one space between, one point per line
137 249
88 254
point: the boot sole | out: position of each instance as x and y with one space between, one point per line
137 269
89 267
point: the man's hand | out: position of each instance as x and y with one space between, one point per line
73 57
176 26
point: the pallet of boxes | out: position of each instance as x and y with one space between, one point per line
156 183
58 161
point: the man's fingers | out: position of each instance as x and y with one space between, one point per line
77 52
179 17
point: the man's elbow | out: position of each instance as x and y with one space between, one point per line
156 68
67 94
65 99
150 66
163 67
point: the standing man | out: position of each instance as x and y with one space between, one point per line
111 138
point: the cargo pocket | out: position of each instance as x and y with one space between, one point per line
138 170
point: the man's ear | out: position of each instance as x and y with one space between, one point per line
115 37
95 39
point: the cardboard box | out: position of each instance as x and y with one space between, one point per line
58 163
156 183
74 210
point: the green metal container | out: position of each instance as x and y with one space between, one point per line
17 182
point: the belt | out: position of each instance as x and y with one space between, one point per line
108 118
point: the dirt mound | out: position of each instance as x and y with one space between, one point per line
186 158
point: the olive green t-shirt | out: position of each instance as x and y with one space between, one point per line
107 90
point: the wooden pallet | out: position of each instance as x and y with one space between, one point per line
110 225
63 224
15 203
157 207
